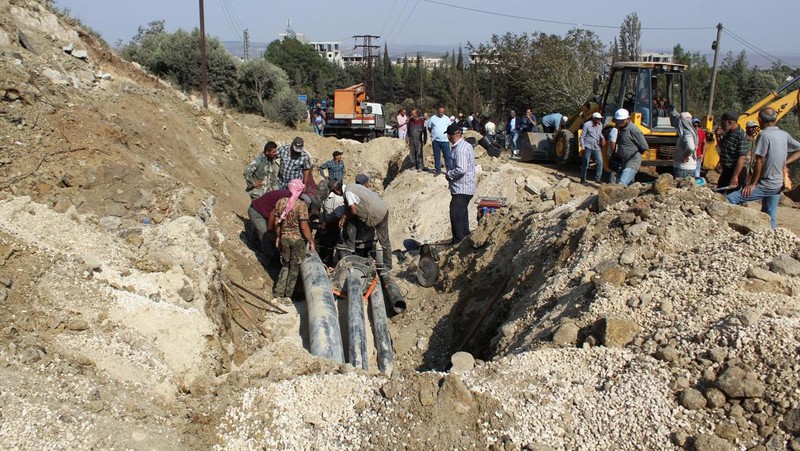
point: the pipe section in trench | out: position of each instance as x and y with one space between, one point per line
380 331
325 335
356 323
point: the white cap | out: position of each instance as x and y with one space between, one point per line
751 124
564 118
597 115
452 118
621 114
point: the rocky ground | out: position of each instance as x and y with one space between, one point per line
577 317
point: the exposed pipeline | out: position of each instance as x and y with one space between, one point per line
325 335
356 324
380 331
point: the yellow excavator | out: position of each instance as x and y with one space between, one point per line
783 100
651 92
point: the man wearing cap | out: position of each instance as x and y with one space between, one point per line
261 175
733 147
363 180
462 181
701 144
772 155
438 125
335 167
295 163
629 149
592 141
365 212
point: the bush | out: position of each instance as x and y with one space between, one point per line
286 108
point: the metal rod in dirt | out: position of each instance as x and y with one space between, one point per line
356 324
257 296
380 331
324 332
393 293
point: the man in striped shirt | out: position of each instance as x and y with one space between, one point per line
462 180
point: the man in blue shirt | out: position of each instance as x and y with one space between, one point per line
592 141
441 145
552 122
463 182
335 167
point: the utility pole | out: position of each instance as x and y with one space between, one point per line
246 44
715 47
366 40
203 67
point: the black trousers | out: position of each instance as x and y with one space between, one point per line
727 173
355 229
459 216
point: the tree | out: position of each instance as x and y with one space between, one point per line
259 82
307 70
286 108
630 35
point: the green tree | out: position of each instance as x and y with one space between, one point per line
259 82
307 70
286 108
630 35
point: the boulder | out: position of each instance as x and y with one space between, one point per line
786 265
617 332
462 362
715 398
561 196
610 194
614 275
535 185
663 183
735 382
767 276
710 442
791 422
566 334
456 395
692 399
742 219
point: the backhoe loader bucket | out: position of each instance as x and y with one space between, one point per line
535 146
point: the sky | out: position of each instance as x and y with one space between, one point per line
768 30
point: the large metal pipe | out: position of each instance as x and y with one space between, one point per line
325 335
380 331
393 293
356 325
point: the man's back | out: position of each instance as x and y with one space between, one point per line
774 145
370 207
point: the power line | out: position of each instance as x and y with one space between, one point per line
763 53
411 13
234 15
397 19
558 22
231 25
388 17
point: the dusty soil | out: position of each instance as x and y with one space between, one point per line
662 319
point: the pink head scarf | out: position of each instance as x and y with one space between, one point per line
296 187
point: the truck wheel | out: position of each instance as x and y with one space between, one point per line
566 147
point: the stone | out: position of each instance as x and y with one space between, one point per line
577 220
767 276
157 218
92 263
78 325
667 354
544 206
617 332
535 185
663 183
749 317
718 354
110 223
791 422
666 306
710 442
742 219
641 209
80 54
55 76
564 183
455 393
3 294
614 275
679 438
638 230
462 362
561 196
786 265
6 281
186 292
390 390
609 194
627 217
726 430
735 382
692 399
715 398
566 334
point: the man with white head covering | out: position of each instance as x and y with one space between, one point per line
684 161
630 147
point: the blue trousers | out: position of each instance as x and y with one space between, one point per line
598 159
439 148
